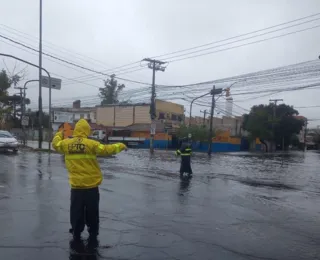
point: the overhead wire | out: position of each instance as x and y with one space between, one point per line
62 49
240 40
238 36
69 62
97 72
245 44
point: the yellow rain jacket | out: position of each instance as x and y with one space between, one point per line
81 155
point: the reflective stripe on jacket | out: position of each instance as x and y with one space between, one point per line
81 156
184 151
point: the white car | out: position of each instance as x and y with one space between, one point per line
8 142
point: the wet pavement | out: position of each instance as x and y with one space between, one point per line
237 206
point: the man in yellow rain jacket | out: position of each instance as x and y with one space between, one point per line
84 175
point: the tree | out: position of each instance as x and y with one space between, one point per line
8 104
199 133
259 123
110 93
4 87
34 119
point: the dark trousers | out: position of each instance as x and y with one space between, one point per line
185 166
84 210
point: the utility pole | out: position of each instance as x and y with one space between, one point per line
204 116
275 101
305 135
155 65
40 77
213 92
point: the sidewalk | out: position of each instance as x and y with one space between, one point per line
35 144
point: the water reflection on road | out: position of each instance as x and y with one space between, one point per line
236 206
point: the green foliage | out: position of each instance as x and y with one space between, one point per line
34 119
10 106
110 93
199 133
260 120
4 83
4 86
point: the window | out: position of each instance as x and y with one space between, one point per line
88 116
174 117
94 115
81 116
161 115
5 134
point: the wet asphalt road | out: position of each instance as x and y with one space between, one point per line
237 206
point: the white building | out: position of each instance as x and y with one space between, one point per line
73 114
229 106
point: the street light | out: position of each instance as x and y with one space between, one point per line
192 103
24 105
40 96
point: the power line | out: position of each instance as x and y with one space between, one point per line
240 40
307 107
238 36
56 63
197 46
246 44
70 63
254 36
60 48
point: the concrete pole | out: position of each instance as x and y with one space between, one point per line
40 77
211 121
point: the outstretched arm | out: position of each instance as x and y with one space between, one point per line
109 149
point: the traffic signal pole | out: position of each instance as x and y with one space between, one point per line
213 92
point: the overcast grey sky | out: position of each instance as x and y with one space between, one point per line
124 31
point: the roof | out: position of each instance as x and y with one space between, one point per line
73 110
93 126
301 117
125 105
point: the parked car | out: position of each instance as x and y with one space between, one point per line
8 142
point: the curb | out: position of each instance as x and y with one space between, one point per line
29 148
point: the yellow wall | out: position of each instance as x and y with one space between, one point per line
168 108
140 114
224 137
258 141
235 140
105 116
165 106
124 115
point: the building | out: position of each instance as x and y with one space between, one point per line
303 131
72 114
169 114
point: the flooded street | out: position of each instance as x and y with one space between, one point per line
236 206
